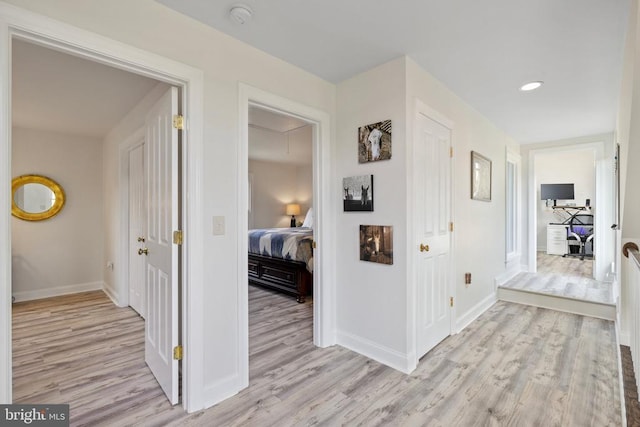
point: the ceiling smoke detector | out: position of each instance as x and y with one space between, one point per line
240 14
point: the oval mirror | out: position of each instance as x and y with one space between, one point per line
35 197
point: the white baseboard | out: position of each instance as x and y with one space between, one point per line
57 291
623 407
221 390
625 338
112 294
503 278
475 312
387 356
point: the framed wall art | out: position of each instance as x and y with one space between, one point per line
376 243
374 142
357 193
480 177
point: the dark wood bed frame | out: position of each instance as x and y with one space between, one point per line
291 277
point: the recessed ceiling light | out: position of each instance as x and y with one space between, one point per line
240 14
530 86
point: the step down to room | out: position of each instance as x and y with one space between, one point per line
577 295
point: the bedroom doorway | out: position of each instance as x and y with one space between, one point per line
315 124
88 46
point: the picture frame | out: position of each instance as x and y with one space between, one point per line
374 142
357 193
376 243
480 177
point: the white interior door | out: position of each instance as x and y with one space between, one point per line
161 177
432 181
137 215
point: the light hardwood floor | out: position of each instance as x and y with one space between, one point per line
516 365
571 266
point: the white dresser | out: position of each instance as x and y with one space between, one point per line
557 239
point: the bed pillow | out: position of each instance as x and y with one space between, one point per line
308 219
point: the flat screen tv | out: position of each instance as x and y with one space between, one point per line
556 192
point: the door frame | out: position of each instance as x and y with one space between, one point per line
136 139
421 107
603 204
324 329
22 24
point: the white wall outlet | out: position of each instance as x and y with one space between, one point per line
218 226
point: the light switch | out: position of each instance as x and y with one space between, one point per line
218 225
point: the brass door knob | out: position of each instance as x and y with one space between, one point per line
424 248
143 251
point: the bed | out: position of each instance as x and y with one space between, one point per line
282 259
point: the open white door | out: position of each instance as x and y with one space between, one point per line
161 176
432 181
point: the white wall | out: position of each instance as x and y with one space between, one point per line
375 302
479 232
370 297
568 167
62 254
275 185
225 62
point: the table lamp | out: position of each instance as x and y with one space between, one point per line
293 209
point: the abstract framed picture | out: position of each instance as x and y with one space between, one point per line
374 142
357 193
480 177
376 243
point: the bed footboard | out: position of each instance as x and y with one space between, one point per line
290 277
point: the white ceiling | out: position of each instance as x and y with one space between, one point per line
276 137
58 92
482 50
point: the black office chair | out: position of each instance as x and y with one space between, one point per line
581 230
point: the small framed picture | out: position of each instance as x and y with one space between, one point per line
480 177
376 243
357 193
374 142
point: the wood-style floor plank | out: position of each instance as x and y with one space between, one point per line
516 365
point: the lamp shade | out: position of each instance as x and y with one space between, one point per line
293 209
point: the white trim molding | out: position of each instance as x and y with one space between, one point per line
402 362
19 23
324 272
58 291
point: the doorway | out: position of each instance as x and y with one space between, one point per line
43 31
568 178
602 207
432 240
323 283
74 240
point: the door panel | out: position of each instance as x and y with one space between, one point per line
161 176
432 179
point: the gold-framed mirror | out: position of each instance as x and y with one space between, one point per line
35 197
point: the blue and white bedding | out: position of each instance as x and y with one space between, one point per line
287 243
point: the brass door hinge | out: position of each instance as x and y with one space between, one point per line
178 122
313 245
178 237
177 352
450 151
451 226
451 301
